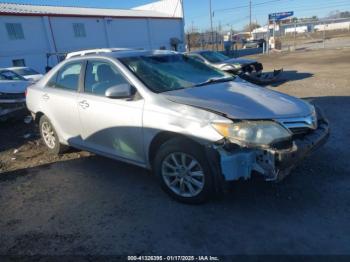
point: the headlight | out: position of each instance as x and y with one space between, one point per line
230 67
227 67
254 133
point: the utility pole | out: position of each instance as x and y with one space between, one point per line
211 24
250 17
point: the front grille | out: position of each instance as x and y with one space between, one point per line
247 69
258 67
300 126
300 130
255 67
12 96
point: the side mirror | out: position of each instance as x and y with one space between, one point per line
119 91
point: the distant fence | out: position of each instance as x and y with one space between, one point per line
206 41
312 34
301 35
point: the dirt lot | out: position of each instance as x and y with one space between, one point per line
83 204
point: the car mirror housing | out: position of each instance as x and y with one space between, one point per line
119 91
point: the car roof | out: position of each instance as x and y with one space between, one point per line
94 51
126 53
200 51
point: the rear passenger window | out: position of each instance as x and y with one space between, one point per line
67 77
100 76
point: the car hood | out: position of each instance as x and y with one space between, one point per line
13 86
238 100
240 61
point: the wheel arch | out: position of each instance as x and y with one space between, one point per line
163 137
37 116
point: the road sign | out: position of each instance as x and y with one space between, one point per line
280 16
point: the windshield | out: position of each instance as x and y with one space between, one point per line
10 75
25 71
162 73
214 57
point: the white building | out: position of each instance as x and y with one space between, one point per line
29 32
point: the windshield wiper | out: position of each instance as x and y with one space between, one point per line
215 80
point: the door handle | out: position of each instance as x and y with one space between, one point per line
84 104
45 96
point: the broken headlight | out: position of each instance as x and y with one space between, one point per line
229 67
253 133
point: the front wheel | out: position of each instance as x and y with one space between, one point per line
183 171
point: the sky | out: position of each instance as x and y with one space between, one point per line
228 13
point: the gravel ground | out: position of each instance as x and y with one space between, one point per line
84 204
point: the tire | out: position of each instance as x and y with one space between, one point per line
50 140
190 182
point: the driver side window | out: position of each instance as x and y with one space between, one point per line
100 76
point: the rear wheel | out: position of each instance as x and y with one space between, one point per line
183 171
49 136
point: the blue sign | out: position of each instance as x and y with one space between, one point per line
280 16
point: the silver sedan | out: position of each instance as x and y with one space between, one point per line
194 126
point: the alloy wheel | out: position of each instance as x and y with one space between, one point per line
48 135
183 174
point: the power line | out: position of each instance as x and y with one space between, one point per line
309 7
245 6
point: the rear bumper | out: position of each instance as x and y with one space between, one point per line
272 164
12 108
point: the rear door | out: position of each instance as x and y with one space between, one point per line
59 100
110 126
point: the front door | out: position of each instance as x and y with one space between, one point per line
110 126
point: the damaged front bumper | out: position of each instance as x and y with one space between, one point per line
263 79
273 164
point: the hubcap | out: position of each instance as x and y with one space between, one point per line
183 174
48 135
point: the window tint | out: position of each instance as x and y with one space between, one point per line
67 77
100 76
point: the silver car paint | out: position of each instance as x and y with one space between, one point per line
124 129
125 124
242 101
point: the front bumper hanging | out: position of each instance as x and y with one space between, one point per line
272 164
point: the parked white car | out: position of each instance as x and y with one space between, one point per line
27 73
12 94
94 51
190 123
